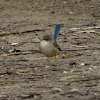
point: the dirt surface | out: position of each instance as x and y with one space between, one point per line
76 73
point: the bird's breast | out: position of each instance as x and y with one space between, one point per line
47 48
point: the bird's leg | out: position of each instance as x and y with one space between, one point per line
47 60
55 60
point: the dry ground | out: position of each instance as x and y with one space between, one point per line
76 73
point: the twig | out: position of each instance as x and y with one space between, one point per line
3 34
38 58
86 79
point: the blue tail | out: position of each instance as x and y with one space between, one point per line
57 29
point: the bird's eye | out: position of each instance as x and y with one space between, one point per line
46 39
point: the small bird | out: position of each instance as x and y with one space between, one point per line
48 45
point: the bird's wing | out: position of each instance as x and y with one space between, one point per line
56 45
57 29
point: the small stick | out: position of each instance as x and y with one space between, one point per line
3 34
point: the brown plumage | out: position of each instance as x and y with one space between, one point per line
48 46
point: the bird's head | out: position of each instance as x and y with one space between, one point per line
47 38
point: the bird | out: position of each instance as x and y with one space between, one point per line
48 46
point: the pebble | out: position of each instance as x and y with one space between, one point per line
14 44
36 40
11 50
82 64
63 78
56 90
64 72
74 29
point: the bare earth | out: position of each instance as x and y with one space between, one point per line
24 75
